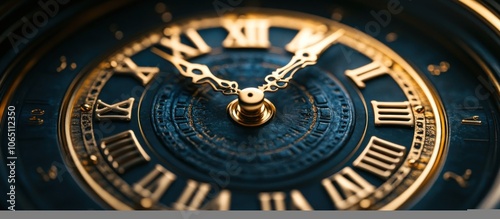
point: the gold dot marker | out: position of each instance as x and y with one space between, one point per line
85 107
146 203
365 204
419 109
93 159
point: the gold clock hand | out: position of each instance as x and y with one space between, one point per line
279 78
250 109
199 73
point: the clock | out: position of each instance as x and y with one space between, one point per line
250 105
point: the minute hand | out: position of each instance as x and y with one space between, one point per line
199 73
279 78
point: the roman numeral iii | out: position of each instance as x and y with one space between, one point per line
393 113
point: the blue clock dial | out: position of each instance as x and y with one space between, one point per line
164 105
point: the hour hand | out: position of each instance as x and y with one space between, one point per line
279 78
199 73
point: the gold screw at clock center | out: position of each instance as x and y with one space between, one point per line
251 108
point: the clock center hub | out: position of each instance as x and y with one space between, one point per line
251 108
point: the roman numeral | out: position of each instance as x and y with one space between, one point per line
117 111
195 193
246 33
278 198
141 73
367 72
393 113
172 41
304 38
276 201
154 185
123 151
380 157
222 202
193 196
299 202
353 188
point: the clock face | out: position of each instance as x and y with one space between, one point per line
251 106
